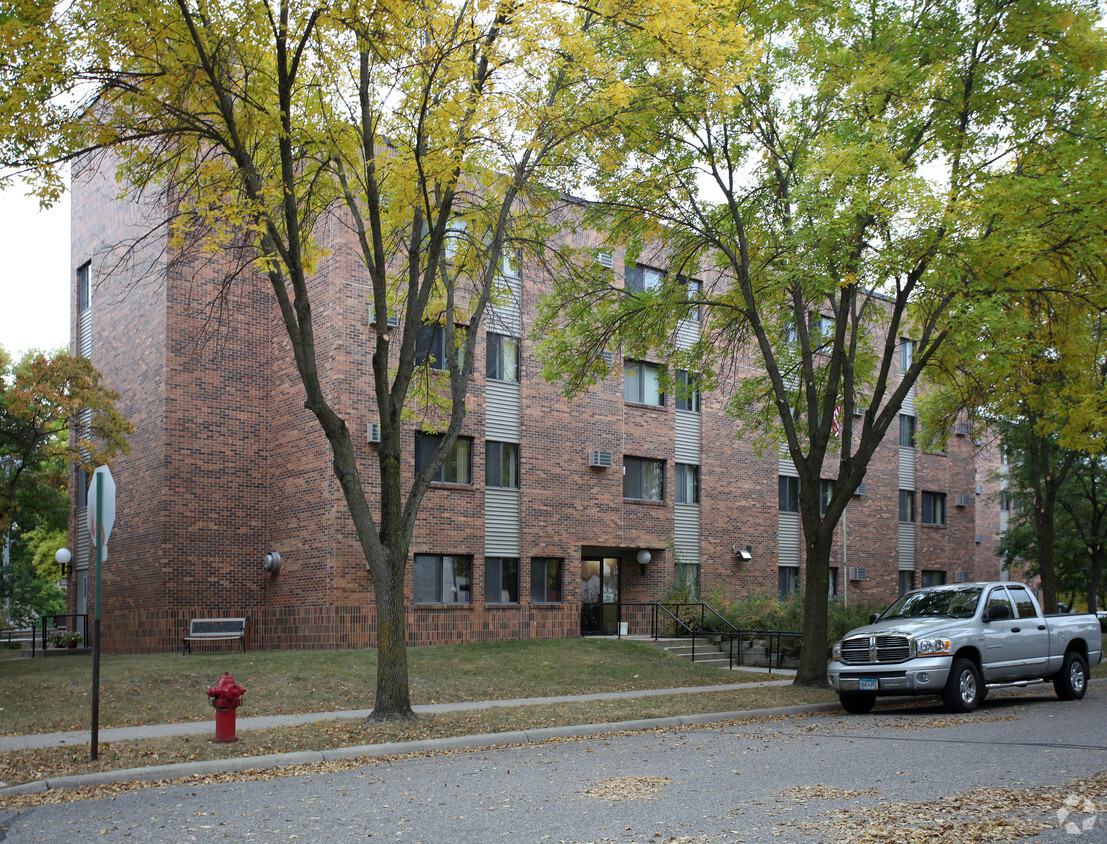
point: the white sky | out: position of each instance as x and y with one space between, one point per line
34 274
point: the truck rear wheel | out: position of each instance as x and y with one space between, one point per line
963 688
1071 681
857 703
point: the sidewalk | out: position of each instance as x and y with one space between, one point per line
186 769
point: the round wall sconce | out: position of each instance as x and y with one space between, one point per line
272 562
643 558
62 557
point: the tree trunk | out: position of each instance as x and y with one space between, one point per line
812 659
393 700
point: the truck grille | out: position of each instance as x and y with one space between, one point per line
876 649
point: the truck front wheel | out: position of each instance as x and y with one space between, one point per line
1072 680
964 687
857 703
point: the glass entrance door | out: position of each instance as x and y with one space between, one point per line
599 596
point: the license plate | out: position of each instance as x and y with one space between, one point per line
869 684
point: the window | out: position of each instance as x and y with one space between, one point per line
687 391
907 505
820 327
511 262
906 582
832 584
933 508
1008 502
501 580
906 354
502 358
640 278
788 578
826 492
642 383
906 431
1024 606
998 598
687 577
789 489
430 346
687 483
82 489
545 580
501 465
693 291
84 275
443 579
643 479
458 468
933 578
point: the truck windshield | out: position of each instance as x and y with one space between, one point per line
955 603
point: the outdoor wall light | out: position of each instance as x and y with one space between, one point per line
643 558
272 562
744 555
62 558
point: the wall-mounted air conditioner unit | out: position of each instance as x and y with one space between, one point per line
961 577
374 432
979 489
979 538
599 459
961 429
606 259
857 573
962 500
608 357
860 489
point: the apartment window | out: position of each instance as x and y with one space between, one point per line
642 383
693 292
501 580
826 492
501 465
430 346
687 577
687 391
906 354
832 585
687 483
820 328
502 358
906 582
82 489
907 505
443 579
84 276
788 578
931 577
511 262
545 580
933 508
458 468
1008 502
789 490
643 479
640 278
906 430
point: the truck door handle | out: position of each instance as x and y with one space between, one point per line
1041 627
1016 629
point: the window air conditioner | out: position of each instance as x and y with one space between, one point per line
962 500
979 538
608 357
599 459
374 432
857 573
961 429
979 489
860 489
961 577
606 259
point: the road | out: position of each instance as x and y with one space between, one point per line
999 774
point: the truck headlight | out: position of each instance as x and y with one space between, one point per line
932 647
836 650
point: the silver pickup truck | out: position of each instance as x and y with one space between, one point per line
956 641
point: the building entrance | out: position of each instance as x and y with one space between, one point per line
599 596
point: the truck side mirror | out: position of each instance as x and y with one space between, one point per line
873 618
997 613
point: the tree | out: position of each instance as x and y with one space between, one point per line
439 133
53 409
851 189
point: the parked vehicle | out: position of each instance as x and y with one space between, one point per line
959 640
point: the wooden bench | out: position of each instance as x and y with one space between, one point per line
215 630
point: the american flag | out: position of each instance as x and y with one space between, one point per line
836 425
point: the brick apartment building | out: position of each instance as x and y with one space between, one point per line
539 527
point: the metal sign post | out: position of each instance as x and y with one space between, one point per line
101 517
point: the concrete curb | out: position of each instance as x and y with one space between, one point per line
371 751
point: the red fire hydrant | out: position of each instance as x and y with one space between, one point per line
225 695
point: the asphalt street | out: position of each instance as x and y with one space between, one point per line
1008 769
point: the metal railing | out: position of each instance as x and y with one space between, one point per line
700 622
43 631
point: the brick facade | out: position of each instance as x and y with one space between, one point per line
226 465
